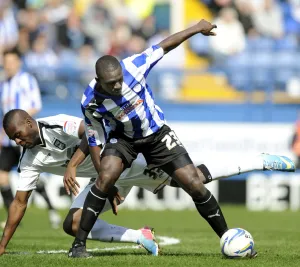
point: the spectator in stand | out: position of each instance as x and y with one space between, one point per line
230 37
70 33
41 56
8 26
244 10
268 20
98 24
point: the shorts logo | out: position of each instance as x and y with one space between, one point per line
59 144
113 141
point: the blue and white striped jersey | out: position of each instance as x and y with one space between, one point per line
133 114
22 92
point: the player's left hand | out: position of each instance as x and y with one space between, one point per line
115 199
70 183
206 28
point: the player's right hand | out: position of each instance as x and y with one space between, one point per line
115 199
70 182
2 250
206 28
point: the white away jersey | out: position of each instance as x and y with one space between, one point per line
134 113
59 135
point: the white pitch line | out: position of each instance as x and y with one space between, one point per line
164 241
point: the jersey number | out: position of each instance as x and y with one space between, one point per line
171 140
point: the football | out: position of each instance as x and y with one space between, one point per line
237 243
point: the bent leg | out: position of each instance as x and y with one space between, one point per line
101 230
187 177
111 168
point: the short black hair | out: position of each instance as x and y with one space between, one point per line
105 64
9 117
13 51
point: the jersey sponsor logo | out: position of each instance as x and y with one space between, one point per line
128 108
70 127
59 144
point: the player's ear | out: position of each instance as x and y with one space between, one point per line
28 122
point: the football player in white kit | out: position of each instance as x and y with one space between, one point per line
59 146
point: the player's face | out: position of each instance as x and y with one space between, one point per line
23 134
11 64
111 82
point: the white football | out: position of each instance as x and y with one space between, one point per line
237 243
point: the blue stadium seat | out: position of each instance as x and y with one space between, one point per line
288 43
259 44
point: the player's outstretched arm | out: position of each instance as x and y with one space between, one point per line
70 183
176 39
15 214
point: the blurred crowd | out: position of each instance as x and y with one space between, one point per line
243 24
71 34
65 37
257 43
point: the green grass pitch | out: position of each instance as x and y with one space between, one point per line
276 236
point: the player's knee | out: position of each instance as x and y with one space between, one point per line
67 225
71 222
196 187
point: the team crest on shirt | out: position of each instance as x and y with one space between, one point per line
128 108
59 144
113 141
137 88
70 127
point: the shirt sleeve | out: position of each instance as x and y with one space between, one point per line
28 175
94 129
71 125
145 61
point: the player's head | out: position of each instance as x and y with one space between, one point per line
109 75
22 128
11 63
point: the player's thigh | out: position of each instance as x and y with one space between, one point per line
163 149
119 147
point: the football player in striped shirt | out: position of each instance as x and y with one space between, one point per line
120 96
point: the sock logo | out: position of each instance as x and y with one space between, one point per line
95 212
214 215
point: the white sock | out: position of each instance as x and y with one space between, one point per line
225 169
105 232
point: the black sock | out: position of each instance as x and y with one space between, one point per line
210 210
92 207
40 188
7 196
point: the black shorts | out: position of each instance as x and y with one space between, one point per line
161 149
9 157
